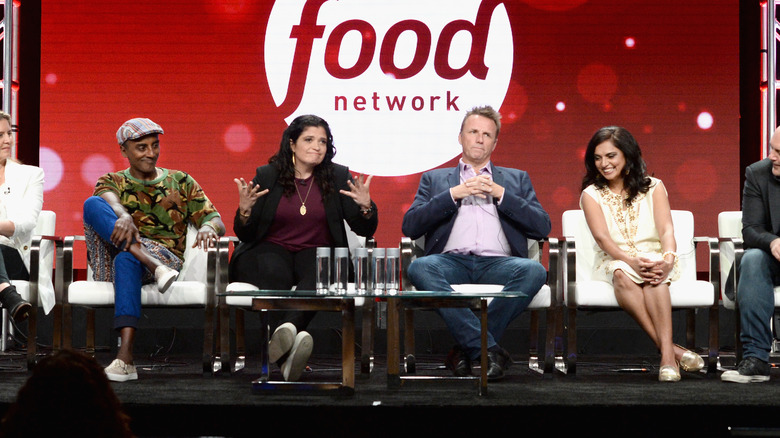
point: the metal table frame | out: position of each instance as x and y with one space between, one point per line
267 301
429 300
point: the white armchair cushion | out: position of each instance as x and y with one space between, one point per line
246 301
542 300
241 301
685 292
101 293
189 289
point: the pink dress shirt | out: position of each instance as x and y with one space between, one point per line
477 230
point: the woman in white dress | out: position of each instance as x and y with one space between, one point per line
21 200
629 215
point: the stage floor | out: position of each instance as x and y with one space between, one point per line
172 398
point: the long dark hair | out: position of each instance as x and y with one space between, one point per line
282 160
635 179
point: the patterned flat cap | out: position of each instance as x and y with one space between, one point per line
134 129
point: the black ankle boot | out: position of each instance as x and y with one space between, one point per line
17 307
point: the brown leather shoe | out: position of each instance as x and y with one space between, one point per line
458 362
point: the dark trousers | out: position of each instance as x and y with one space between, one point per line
11 268
11 265
271 266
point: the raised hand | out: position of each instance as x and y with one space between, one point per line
358 190
248 194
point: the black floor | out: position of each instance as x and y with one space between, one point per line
172 398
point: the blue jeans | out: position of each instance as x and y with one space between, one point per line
436 272
128 272
759 273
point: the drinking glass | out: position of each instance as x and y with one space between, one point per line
323 270
341 272
378 271
361 271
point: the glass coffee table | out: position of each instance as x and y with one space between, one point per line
477 300
266 301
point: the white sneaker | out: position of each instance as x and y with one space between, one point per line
750 370
119 371
736 377
281 341
164 276
293 367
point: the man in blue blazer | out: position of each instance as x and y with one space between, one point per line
476 219
759 269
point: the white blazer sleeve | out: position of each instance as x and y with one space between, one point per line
24 204
26 199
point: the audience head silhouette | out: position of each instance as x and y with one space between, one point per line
66 395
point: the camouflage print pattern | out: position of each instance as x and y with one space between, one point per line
161 208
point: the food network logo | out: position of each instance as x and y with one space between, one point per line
393 78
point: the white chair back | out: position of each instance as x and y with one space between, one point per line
189 290
729 226
195 259
583 292
686 250
353 240
575 226
47 222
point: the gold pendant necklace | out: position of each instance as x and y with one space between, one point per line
303 200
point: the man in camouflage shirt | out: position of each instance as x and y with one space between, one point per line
136 227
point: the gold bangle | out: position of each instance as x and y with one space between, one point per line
669 253
243 215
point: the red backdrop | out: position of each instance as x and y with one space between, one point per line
666 70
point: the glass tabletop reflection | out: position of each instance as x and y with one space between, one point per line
371 294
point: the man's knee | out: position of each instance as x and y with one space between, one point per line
532 272
425 265
416 269
91 205
539 272
428 272
755 262
755 273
